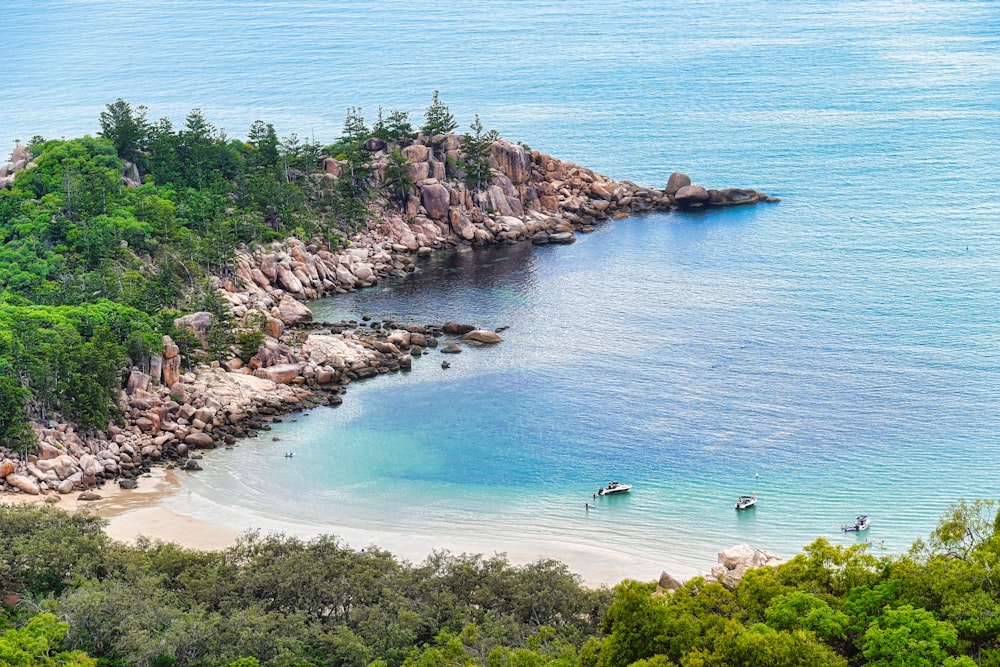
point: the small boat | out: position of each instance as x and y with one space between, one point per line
614 487
746 502
861 524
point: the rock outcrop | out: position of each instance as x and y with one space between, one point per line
735 561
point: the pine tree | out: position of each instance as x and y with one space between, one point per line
476 151
437 118
127 129
397 179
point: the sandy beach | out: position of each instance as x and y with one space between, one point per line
162 508
139 512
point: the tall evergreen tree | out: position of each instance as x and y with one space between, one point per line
128 130
476 151
437 118
397 179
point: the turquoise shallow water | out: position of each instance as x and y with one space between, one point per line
842 345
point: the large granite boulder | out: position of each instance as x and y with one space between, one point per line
288 280
457 328
677 181
24 484
171 371
373 144
416 153
668 583
732 197
291 311
331 167
200 440
482 336
199 323
435 199
281 373
691 196
735 561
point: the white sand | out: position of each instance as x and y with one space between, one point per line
161 508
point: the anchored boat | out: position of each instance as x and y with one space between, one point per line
614 488
861 524
746 502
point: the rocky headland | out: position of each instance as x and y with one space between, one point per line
175 407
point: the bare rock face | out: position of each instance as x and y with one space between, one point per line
482 336
416 153
280 374
292 311
269 267
6 467
677 181
24 484
137 381
373 145
735 561
691 196
733 556
513 161
331 167
435 199
170 350
288 279
171 371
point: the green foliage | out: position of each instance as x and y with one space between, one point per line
15 433
71 359
908 637
396 128
43 550
477 148
128 129
281 601
437 118
36 644
355 130
397 180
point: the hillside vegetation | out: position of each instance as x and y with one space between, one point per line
73 596
105 241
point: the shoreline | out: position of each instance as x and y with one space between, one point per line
155 510
535 199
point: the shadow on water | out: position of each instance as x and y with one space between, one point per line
477 283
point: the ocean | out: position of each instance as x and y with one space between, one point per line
837 353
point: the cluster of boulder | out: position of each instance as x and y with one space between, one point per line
733 564
531 195
20 160
170 414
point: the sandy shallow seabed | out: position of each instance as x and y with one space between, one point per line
161 508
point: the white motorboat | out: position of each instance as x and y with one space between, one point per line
614 488
861 524
746 502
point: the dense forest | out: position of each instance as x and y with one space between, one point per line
105 241
73 597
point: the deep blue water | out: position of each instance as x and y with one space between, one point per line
838 352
